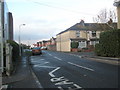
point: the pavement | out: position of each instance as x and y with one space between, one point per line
92 56
22 76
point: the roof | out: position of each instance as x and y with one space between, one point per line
53 38
90 27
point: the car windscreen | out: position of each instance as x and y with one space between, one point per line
36 48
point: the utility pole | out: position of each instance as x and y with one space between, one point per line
1 39
19 38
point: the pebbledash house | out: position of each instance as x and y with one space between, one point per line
86 34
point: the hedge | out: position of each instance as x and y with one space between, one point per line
74 44
109 44
15 50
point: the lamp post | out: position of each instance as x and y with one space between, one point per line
19 38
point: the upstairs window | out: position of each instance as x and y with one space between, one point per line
77 33
93 33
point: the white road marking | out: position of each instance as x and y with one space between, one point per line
58 79
46 66
85 75
33 60
36 61
35 77
42 59
106 60
81 66
38 65
4 87
80 56
58 58
77 86
64 82
51 73
50 54
60 88
45 63
76 55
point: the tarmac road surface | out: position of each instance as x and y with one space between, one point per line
66 71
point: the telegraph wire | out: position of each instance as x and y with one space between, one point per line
51 6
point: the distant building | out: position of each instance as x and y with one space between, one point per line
52 44
86 34
49 44
6 31
117 4
7 21
10 21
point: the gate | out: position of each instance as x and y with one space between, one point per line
9 64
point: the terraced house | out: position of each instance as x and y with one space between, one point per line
86 34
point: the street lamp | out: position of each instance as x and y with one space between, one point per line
19 38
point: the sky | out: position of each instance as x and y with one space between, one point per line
46 18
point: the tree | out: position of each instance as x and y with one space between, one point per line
109 44
74 44
109 17
106 16
24 46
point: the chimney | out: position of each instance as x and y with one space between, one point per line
82 23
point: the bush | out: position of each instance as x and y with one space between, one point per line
15 50
28 53
98 49
84 48
74 44
109 44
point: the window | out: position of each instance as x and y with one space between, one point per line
82 44
93 33
77 33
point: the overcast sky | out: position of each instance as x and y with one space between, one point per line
46 18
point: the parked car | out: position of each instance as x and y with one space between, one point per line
44 48
36 51
27 50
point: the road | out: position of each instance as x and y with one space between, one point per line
63 70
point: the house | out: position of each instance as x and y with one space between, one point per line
86 34
52 45
43 43
53 41
39 44
117 4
